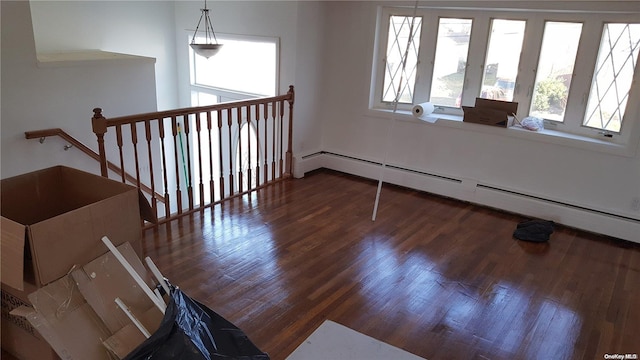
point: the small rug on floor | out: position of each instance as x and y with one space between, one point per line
332 341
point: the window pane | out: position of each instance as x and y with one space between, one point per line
399 31
241 65
503 58
617 59
555 69
450 61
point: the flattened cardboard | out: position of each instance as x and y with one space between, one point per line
63 213
104 279
63 317
129 337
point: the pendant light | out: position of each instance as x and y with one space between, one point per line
210 46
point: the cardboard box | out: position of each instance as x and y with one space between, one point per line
54 218
19 337
78 316
491 112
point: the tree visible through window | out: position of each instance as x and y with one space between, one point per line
555 69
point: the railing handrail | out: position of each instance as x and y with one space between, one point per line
128 119
44 133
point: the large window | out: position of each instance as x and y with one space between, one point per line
450 64
555 70
574 70
617 59
245 67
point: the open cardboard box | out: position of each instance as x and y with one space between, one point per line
52 220
491 112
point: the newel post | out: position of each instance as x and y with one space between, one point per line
289 155
99 125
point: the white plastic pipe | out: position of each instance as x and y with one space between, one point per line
133 319
158 275
159 303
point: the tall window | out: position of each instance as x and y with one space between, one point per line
617 60
450 63
245 67
503 59
402 29
555 69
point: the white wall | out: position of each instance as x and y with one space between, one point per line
567 174
143 28
35 98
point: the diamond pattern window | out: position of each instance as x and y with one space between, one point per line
617 59
396 82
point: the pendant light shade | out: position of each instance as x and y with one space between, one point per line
210 45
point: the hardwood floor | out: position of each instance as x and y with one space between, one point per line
439 278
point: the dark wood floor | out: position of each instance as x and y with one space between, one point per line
439 278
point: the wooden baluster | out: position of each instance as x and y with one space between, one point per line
289 169
200 184
274 116
134 141
230 123
257 146
167 204
154 201
185 122
266 143
99 127
280 161
119 143
174 127
221 182
249 174
239 153
211 182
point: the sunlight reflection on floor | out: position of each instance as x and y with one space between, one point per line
502 311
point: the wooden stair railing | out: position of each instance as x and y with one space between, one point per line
42 134
200 156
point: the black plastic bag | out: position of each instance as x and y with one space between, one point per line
191 331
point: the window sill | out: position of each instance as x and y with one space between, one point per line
545 136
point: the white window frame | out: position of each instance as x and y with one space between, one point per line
593 24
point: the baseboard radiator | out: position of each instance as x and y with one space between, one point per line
468 190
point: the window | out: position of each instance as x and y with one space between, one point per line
503 59
450 63
573 69
555 70
401 28
245 67
617 59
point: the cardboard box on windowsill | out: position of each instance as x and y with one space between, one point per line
491 112
52 220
